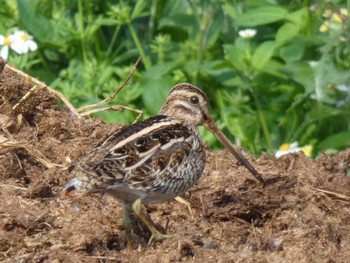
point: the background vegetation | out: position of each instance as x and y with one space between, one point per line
290 82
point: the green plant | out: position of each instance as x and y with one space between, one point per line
289 82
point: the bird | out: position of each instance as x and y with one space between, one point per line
154 160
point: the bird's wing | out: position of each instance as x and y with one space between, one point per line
139 154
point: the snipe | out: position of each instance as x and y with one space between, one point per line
154 160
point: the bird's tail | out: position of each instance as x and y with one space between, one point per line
76 185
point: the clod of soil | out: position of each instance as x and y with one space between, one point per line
301 215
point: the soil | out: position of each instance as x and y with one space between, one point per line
301 215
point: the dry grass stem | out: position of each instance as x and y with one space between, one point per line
31 150
40 84
77 112
112 96
341 196
116 107
26 96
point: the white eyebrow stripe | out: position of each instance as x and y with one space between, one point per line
143 132
184 104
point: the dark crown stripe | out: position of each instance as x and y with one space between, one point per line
188 87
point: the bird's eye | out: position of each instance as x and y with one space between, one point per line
194 99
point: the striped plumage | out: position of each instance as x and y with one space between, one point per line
148 160
154 160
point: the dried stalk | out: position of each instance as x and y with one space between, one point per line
31 150
112 96
42 85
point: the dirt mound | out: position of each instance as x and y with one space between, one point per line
302 214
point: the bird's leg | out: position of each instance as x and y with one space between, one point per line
128 226
137 207
126 218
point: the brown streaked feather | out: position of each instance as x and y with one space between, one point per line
153 157
154 160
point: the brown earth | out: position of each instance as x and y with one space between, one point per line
301 215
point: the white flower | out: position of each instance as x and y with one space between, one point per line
287 148
312 63
23 42
247 33
19 41
6 42
292 148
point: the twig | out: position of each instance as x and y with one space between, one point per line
13 186
30 92
77 112
112 96
341 196
116 107
64 99
43 85
31 150
104 258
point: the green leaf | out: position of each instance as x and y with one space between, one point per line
104 21
155 92
230 9
235 54
292 52
159 70
44 30
273 68
261 16
325 73
339 140
183 21
299 16
138 9
214 30
263 54
8 15
301 73
244 127
286 32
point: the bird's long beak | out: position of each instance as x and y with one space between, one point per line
211 126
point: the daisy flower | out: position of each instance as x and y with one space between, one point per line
23 43
247 33
5 43
292 148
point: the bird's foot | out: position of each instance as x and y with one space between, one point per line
156 235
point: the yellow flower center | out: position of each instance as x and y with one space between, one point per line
285 147
7 41
24 37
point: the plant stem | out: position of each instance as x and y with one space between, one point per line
111 44
81 28
262 121
137 42
151 23
45 65
203 25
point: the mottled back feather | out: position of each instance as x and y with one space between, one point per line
155 160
